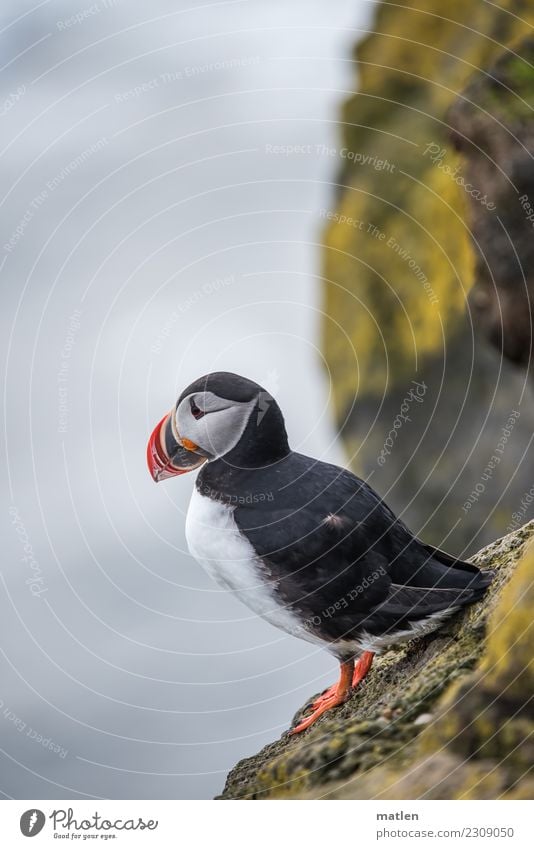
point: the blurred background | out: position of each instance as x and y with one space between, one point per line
195 187
164 232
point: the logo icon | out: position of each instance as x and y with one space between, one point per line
265 398
32 822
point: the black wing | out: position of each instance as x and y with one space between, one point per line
338 556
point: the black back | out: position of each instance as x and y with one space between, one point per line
334 553
330 548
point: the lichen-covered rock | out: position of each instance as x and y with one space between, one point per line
493 126
399 263
447 716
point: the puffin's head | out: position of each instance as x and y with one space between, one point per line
220 415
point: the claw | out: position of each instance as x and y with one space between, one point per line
330 700
328 704
350 676
325 695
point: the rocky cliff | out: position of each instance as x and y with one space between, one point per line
493 129
428 144
448 716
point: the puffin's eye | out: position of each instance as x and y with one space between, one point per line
196 411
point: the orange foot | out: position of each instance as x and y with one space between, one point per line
338 693
362 667
327 702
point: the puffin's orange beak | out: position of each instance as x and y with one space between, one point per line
166 456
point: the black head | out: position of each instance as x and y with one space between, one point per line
221 416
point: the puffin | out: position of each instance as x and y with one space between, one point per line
306 545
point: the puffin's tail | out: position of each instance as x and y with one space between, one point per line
452 573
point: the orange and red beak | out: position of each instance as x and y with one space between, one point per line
168 455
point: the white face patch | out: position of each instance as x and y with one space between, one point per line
214 424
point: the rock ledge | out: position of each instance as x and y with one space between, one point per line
447 716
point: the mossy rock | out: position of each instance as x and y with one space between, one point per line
393 315
447 716
493 128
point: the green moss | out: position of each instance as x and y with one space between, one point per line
521 73
391 316
411 69
509 663
451 680
508 93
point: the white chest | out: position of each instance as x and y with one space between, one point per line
228 557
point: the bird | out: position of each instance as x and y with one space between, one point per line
307 545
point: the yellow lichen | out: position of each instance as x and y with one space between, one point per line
378 315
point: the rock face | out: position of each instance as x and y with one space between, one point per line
399 262
448 716
496 140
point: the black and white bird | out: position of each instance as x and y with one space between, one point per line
306 545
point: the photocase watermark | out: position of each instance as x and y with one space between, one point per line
345 600
518 518
404 254
265 399
271 384
527 208
32 822
12 99
51 185
183 307
232 498
339 218
437 154
35 580
17 234
290 149
66 825
355 156
22 728
416 393
83 14
64 371
185 73
390 242
493 462
75 163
